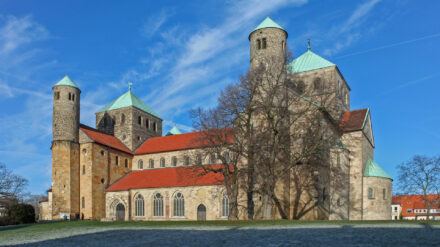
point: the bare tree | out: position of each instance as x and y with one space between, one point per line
280 137
34 200
421 175
11 185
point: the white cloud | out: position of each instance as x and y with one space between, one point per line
155 22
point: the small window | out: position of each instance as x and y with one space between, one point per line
126 163
56 95
162 162
282 45
225 206
73 97
70 96
84 151
140 164
384 192
83 202
317 84
122 119
409 211
199 159
151 163
139 120
117 161
258 44
147 123
84 169
155 126
264 45
174 161
227 157
102 153
213 159
370 193
102 180
186 161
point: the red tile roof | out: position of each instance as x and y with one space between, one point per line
414 202
181 141
167 177
104 139
44 200
353 120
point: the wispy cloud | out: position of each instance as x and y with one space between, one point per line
155 22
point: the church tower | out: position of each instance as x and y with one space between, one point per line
65 149
267 41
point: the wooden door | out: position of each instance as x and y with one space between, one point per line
201 212
120 212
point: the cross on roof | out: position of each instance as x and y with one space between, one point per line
129 86
308 42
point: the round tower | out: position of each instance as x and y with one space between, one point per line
66 109
267 40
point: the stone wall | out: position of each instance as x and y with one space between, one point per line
209 196
276 44
378 207
65 178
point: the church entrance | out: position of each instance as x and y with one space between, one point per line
120 212
201 212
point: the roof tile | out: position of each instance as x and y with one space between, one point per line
104 139
353 120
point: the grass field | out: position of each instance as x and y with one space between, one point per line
225 233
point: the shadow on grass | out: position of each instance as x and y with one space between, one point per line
346 235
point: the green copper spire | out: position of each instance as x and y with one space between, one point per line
268 23
372 169
66 81
128 99
308 61
174 131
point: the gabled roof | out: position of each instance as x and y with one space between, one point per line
128 99
104 139
178 142
267 23
372 169
167 177
174 131
308 61
66 81
414 202
353 120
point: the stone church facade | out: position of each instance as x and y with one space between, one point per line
124 169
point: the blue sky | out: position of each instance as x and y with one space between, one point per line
180 54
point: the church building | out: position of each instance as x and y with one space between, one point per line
124 168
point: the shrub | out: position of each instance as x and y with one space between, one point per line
22 214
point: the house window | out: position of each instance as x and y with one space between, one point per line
140 164
258 44
179 205
225 206
139 207
117 161
395 209
84 169
83 202
186 161
158 205
264 45
126 163
151 163
409 211
370 193
174 161
162 162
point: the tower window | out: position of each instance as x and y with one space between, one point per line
155 126
73 97
384 192
117 160
122 119
83 202
317 84
370 193
258 44
282 45
126 163
139 120
147 123
264 45
70 96
84 169
56 95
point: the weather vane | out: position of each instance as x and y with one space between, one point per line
129 86
308 41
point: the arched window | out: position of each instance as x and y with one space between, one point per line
56 95
126 163
299 87
179 205
162 162
139 120
83 202
117 160
264 45
154 126
122 119
151 163
213 160
140 164
370 193
84 169
258 44
225 206
174 161
73 97
139 205
70 96
317 84
158 205
147 123
227 157
186 161
384 192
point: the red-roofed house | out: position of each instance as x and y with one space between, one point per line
123 168
413 207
